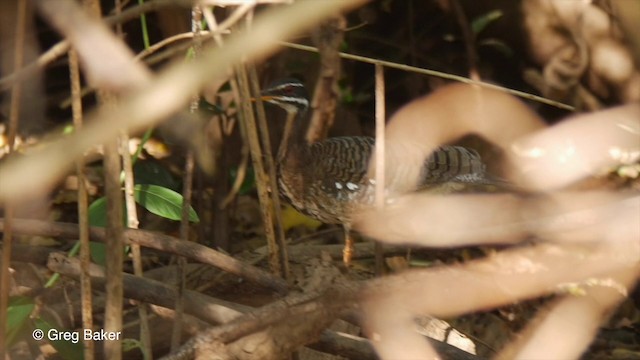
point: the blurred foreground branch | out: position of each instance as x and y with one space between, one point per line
160 97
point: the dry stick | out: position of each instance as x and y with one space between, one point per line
328 37
302 312
380 181
196 28
115 229
418 70
156 241
491 273
141 55
271 166
403 67
115 242
18 59
83 213
212 310
131 13
92 39
165 42
216 211
46 58
216 31
14 113
151 291
209 309
162 95
132 223
262 179
240 176
184 236
171 52
62 47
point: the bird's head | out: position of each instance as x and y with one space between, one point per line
289 94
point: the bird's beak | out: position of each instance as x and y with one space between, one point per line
267 98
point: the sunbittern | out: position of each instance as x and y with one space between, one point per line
328 180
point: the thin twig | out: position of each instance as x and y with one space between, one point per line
83 212
163 94
132 217
112 170
132 223
48 57
62 47
14 114
240 176
418 70
262 178
242 169
157 241
218 30
160 44
141 55
148 290
187 189
275 236
184 236
131 13
271 167
114 257
380 168
328 37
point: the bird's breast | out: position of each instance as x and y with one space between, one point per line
328 181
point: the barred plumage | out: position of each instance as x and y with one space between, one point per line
327 180
453 163
330 180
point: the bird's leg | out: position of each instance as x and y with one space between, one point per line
347 252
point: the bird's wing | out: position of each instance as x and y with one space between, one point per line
343 161
452 163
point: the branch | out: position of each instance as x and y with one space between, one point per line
160 242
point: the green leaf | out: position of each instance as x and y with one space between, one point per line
191 54
344 46
68 129
150 172
98 212
249 182
346 95
481 22
162 202
18 312
98 218
98 252
499 45
71 348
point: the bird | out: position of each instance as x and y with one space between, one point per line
328 180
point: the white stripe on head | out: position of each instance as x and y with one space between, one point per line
291 99
285 85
